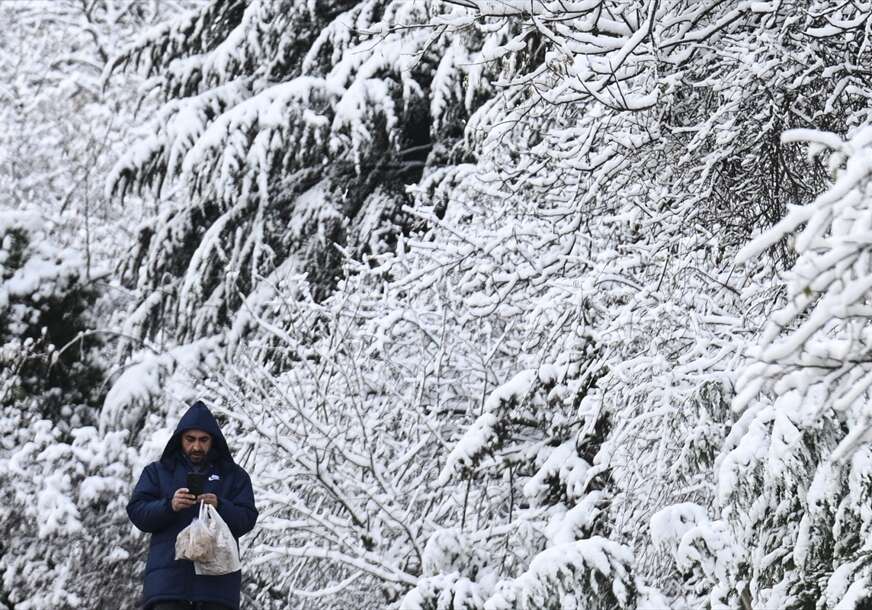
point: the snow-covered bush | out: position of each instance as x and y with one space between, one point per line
44 316
66 541
64 484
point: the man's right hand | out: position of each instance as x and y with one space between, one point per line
182 499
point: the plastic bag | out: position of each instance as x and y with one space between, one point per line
225 552
196 542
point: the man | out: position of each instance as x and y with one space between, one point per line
162 505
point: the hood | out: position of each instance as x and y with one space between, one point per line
198 417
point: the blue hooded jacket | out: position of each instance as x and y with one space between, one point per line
149 509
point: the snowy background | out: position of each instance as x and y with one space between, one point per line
503 304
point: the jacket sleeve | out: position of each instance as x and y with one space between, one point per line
147 509
237 508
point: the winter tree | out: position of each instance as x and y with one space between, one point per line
554 196
65 483
510 305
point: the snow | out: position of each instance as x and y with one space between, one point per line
502 305
565 567
484 431
118 555
564 464
475 440
672 523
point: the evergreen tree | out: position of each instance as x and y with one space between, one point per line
290 131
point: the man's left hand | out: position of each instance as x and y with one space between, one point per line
210 499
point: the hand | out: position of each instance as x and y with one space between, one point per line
182 499
211 499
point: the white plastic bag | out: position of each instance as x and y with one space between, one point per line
224 558
196 542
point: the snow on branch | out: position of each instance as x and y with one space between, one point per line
596 568
818 335
487 430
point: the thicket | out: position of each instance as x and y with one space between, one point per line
515 305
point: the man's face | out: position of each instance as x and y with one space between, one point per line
196 444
